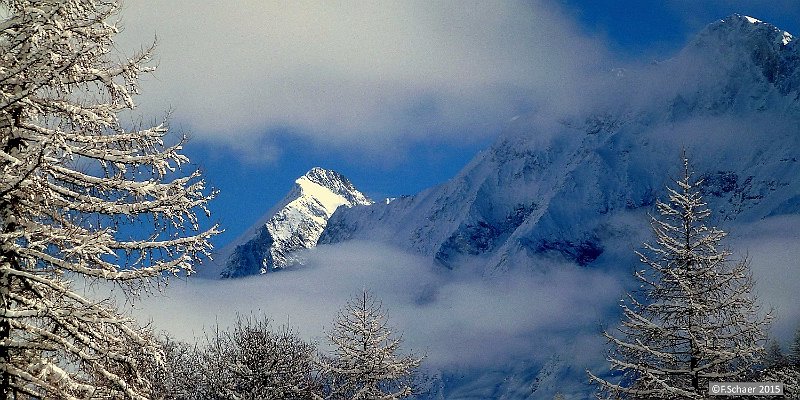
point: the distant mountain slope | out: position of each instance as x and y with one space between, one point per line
561 187
296 224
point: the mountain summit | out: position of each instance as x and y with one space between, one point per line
737 31
295 223
745 50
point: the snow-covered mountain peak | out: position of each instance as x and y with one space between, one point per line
783 38
331 188
295 223
736 64
740 30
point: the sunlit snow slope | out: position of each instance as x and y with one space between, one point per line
296 224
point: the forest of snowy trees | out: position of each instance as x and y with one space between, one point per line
74 179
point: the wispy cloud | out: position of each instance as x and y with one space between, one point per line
374 75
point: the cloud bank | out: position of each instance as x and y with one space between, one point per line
460 319
457 319
374 76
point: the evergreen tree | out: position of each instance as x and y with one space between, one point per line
695 319
71 179
773 356
365 363
794 350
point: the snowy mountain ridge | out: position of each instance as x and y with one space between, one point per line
561 188
296 223
578 188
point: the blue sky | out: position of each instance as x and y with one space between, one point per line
398 96
655 29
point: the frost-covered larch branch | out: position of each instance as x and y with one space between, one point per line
82 196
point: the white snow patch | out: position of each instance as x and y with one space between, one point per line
752 20
304 210
787 37
327 198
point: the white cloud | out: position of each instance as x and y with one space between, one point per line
456 318
372 74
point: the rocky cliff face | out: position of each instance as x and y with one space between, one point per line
297 224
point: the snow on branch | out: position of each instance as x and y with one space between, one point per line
82 196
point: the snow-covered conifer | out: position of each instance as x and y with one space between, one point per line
72 177
794 350
366 363
694 319
773 355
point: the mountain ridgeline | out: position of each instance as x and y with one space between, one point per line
294 224
561 188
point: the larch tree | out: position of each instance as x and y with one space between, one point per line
73 180
365 362
694 319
